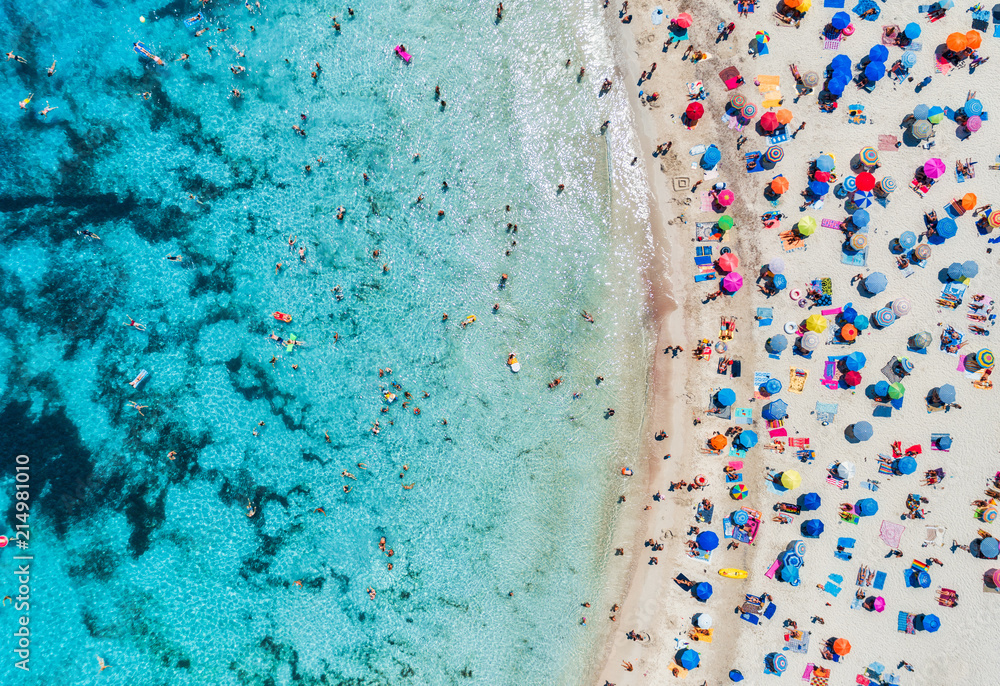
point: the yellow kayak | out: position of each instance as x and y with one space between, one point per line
732 573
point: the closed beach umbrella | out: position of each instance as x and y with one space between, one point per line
738 492
946 393
882 389
984 358
921 340
732 282
776 265
718 442
921 111
876 282
810 502
772 386
774 153
684 20
909 59
865 181
930 623
855 361
806 226
970 269
973 124
812 528
819 188
737 101
845 470
777 343
817 323
907 240
811 79
769 121
869 155
780 184
901 307
884 317
849 332
874 71
775 410
852 378
791 479
935 115
859 241
922 129
898 390
729 262
725 397
946 228
748 111
861 322
809 341
989 547
726 197
866 507
879 604
708 540
922 252
956 42
779 282
905 465
973 39
850 184
841 646
725 223
703 590
973 107
695 111
688 659
864 198
912 31
841 20
934 168
861 430
747 439
887 184
825 163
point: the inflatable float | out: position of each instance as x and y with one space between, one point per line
290 343
191 21
282 317
732 573
626 471
405 56
137 381
389 397
515 366
144 51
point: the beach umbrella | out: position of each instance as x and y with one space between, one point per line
725 397
869 155
906 365
779 282
887 184
695 111
901 307
777 343
819 188
779 663
946 228
810 502
837 86
769 121
747 439
740 517
738 492
934 168
845 470
822 176
780 184
711 157
989 548
841 20
703 590
762 37
946 393
878 53
788 572
897 390
809 341
935 115
879 604
912 31
717 442
703 620
772 386
882 389
729 262
989 514
732 282
825 163
861 218
956 42
876 282
850 184
848 313
806 226
841 646
855 361
798 546
905 465
810 79
921 129
726 197
944 443
884 317
874 71
776 265
866 507
984 358
735 675
852 378
812 528
921 340
922 252
859 241
817 323
688 659
909 59
863 199
970 269
708 540
737 101
973 107
907 240
725 223
748 111
955 271
861 430
784 116
775 410
921 579
849 332
930 623
840 63
973 39
973 124
774 153
683 20
865 181
921 111
791 479
994 219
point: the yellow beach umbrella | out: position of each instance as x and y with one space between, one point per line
791 479
817 323
806 226
804 6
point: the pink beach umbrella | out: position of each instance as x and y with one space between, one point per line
732 282
879 604
726 197
852 378
996 578
729 262
934 168
684 20
973 123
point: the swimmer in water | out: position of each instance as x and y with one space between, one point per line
347 489
251 510
371 593
88 234
52 69
23 104
348 475
135 325
175 258
48 108
362 465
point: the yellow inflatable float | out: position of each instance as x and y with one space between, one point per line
732 573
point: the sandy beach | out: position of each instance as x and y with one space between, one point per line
948 483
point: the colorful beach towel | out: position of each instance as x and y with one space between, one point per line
887 142
891 533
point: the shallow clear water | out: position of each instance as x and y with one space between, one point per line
152 563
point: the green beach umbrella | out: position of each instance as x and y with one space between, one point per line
725 223
806 226
896 391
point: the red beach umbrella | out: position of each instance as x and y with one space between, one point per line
822 176
729 262
865 181
695 111
769 122
852 378
684 20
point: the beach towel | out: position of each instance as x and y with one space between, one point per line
658 16
879 582
797 641
835 4
743 415
770 90
829 44
706 202
798 442
825 412
887 142
839 483
731 77
891 533
777 139
934 441
863 7
832 589
790 241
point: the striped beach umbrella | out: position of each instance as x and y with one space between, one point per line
921 129
774 153
887 184
984 358
973 124
811 79
792 560
779 663
738 492
850 184
738 101
994 218
909 59
901 307
869 156
810 340
863 199
907 240
922 252
749 110
859 241
884 317
973 107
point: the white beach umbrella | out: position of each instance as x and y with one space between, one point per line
704 621
845 470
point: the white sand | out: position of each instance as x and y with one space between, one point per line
958 652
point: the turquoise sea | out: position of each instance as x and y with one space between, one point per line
152 563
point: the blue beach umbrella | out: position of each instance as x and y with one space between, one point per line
775 410
740 517
882 389
708 540
973 107
944 443
936 114
946 228
875 70
819 187
905 465
747 439
855 361
779 282
863 198
812 528
836 86
725 397
909 59
876 282
711 157
773 386
850 184
841 20
840 63
921 111
862 430
907 240
703 591
777 343
735 675
810 502
912 31
849 314
946 393
989 547
930 623
688 659
970 269
955 271
861 218
878 53
921 579
789 573
866 507
825 163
